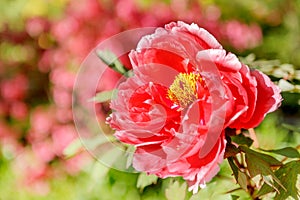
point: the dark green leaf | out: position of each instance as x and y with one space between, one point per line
265 189
269 181
240 177
288 152
233 167
175 191
260 164
234 197
242 140
104 96
242 180
145 180
264 157
292 127
287 174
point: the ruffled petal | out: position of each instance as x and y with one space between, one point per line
268 98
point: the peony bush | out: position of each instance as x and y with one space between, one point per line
168 107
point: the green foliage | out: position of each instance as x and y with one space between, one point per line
104 96
176 191
145 180
287 174
264 157
15 13
260 165
240 177
234 197
282 180
73 148
291 127
60 187
271 134
241 139
79 144
287 151
287 75
110 59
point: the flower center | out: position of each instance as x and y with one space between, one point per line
183 90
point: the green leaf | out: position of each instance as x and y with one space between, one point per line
242 140
110 59
287 151
233 167
291 127
130 153
113 157
264 157
98 171
175 191
287 174
269 181
104 96
145 180
73 148
234 197
260 164
240 177
284 85
95 142
79 143
265 189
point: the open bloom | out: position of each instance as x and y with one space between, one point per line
184 92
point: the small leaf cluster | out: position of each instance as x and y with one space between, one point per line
259 173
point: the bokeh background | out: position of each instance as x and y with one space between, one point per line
43 43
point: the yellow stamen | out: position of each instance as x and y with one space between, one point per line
183 90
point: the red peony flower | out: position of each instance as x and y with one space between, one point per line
184 92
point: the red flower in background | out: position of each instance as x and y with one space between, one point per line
166 107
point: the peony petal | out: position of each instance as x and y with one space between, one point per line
203 37
152 162
268 98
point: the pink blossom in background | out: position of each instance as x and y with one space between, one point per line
19 110
64 115
44 150
61 77
62 136
9 140
75 164
15 88
36 26
242 36
41 122
32 172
